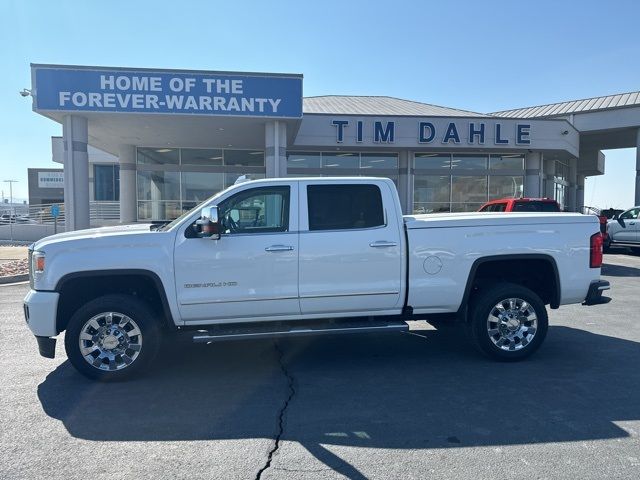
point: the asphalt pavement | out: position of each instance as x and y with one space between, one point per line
373 406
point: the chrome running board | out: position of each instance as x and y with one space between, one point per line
227 334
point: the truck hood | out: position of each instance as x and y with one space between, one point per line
133 229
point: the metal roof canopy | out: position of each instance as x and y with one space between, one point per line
379 106
607 122
574 106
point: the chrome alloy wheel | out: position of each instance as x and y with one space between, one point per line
512 324
110 341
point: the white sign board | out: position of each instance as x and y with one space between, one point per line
50 179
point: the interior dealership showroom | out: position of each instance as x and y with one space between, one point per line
158 142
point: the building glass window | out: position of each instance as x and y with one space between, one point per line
303 160
561 182
171 180
200 156
158 156
431 161
469 162
158 195
506 162
335 164
372 160
198 186
244 158
431 194
341 160
505 187
483 177
561 172
468 193
559 195
106 183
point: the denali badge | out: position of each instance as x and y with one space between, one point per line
211 285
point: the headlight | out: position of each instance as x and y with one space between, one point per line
37 262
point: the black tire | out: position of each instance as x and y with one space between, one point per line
133 308
483 306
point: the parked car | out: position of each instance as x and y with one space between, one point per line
624 231
521 205
306 256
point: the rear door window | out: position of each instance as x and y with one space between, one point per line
340 207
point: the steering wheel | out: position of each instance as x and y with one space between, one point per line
231 224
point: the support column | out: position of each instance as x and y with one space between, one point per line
128 200
549 174
75 136
580 192
533 175
572 205
637 200
405 182
275 142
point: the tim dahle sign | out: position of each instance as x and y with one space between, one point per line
144 91
467 132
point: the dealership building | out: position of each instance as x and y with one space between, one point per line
161 141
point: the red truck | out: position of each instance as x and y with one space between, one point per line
540 205
521 205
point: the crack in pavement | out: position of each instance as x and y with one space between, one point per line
283 409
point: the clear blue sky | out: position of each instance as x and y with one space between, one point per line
476 55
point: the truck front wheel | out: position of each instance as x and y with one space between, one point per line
508 322
112 338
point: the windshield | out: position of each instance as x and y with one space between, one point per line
188 213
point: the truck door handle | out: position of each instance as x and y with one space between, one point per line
279 248
383 244
632 223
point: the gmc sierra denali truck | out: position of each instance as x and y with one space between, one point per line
306 256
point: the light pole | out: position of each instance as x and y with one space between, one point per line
11 209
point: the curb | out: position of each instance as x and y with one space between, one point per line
14 279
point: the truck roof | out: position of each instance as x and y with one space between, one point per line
320 179
483 219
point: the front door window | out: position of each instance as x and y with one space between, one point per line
258 210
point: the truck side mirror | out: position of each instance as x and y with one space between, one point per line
208 226
621 222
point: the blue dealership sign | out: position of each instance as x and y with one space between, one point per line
58 88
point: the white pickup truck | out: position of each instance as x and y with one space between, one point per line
306 256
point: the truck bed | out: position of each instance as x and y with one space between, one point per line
443 249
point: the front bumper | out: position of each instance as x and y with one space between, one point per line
594 295
40 313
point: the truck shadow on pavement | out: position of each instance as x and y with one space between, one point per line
394 391
613 270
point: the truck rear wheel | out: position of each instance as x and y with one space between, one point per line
508 322
112 338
